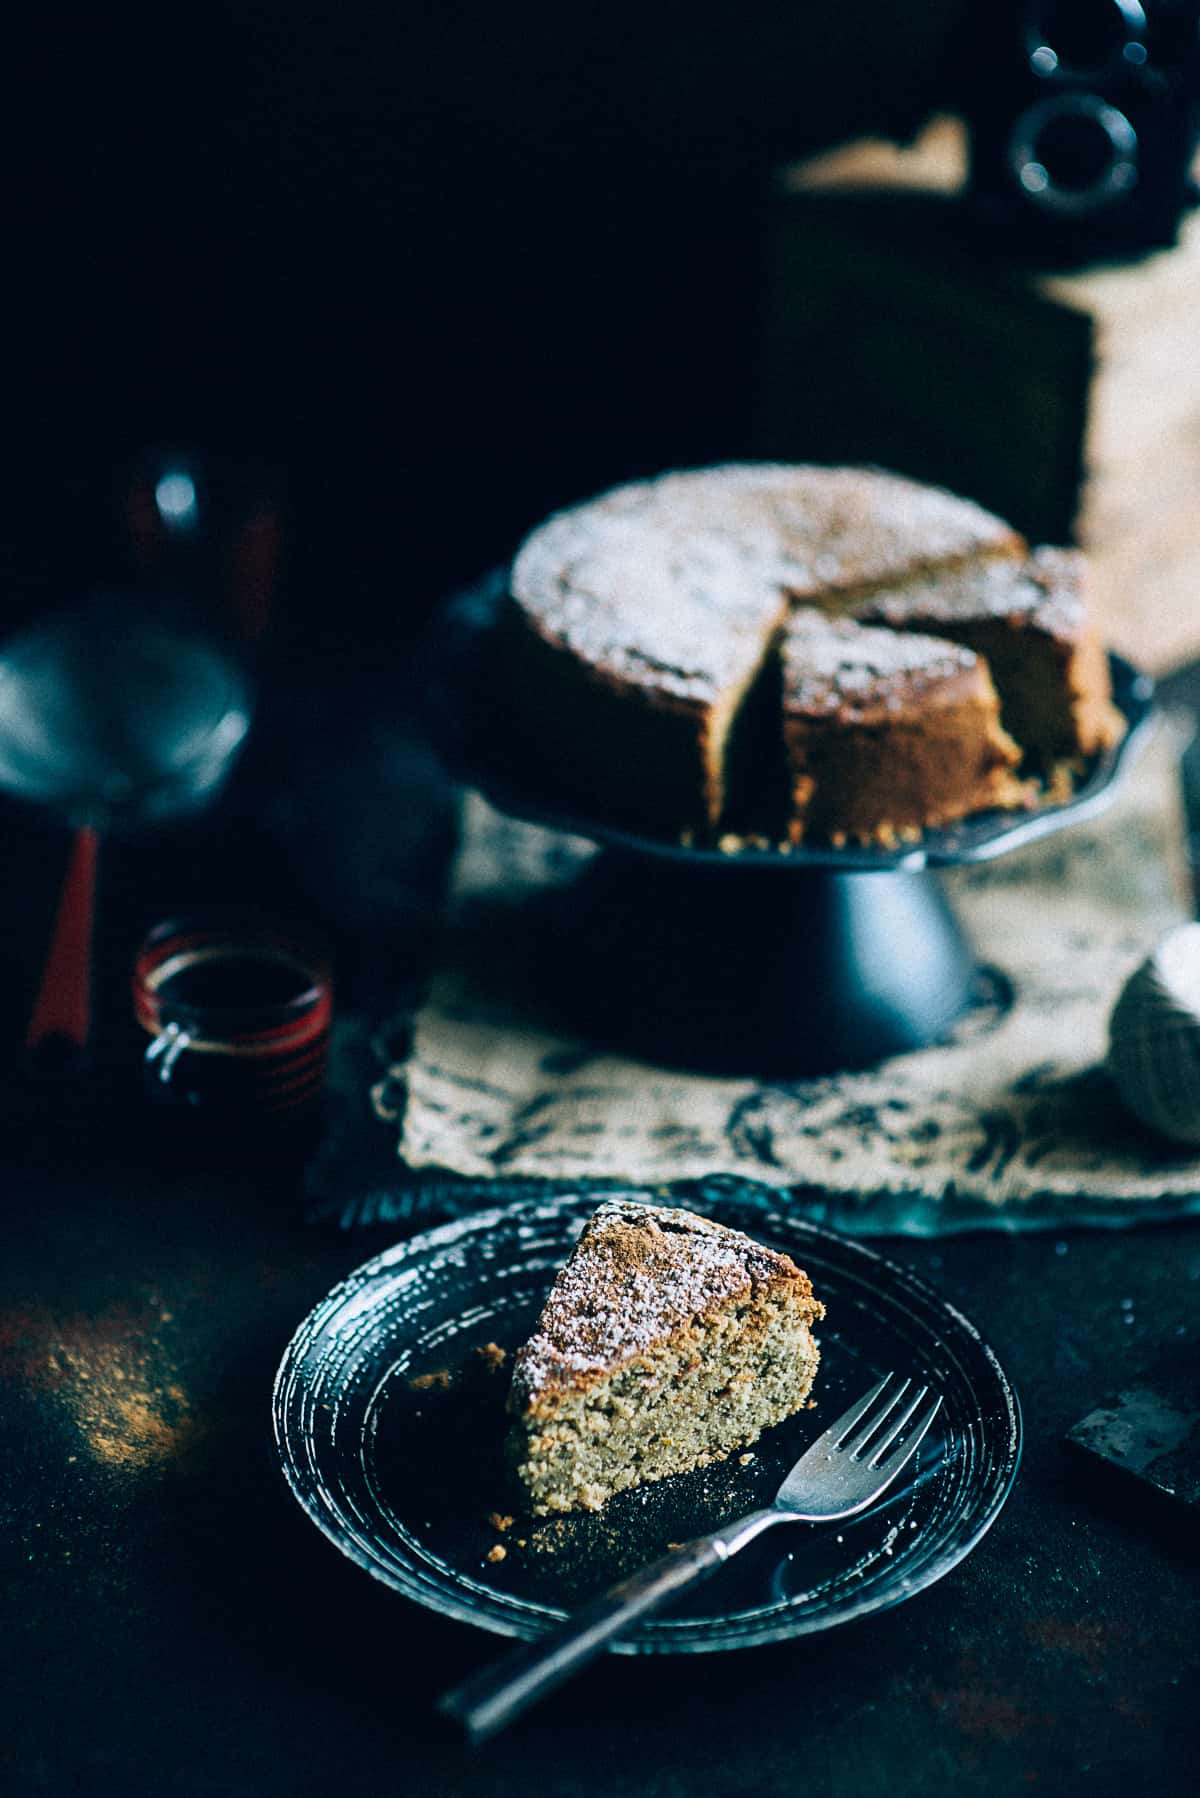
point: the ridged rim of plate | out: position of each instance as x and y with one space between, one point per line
985 1484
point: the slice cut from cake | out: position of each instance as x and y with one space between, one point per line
1031 623
888 732
666 1342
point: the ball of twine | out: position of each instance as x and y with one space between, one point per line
1154 1038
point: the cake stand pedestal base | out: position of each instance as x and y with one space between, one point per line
768 971
760 963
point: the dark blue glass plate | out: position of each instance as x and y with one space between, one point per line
389 1425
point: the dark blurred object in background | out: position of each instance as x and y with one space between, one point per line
1084 117
445 266
1065 400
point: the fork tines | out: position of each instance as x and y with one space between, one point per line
871 1431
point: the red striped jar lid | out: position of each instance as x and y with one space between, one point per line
239 1012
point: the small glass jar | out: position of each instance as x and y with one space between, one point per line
239 1015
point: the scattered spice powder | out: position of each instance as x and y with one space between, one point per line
441 1381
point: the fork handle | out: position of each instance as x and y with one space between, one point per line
489 1700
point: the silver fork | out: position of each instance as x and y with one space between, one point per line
843 1472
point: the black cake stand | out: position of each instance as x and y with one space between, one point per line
765 962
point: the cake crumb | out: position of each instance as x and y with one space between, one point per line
811 1405
745 1460
499 1522
1060 783
439 1381
499 1553
520 1542
491 1356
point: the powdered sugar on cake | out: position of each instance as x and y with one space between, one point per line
1047 590
833 664
639 1272
667 579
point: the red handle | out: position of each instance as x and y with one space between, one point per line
63 1008
254 566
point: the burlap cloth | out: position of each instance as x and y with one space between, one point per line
1011 1124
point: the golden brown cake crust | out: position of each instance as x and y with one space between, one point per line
641 741
639 1274
644 663
642 621
888 733
1032 623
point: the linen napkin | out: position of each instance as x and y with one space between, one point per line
1011 1123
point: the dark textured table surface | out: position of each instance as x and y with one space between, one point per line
174 1625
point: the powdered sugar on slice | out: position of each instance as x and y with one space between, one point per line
639 1272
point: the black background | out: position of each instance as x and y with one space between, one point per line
438 268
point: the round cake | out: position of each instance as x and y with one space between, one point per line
784 652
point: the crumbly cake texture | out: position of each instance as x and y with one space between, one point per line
887 733
666 1342
1031 622
646 629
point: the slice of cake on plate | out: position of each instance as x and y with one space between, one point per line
667 1341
